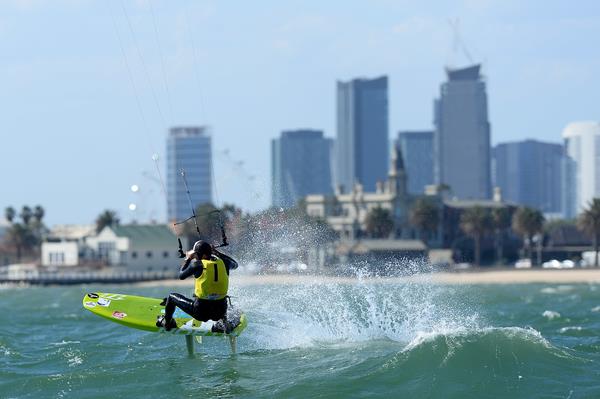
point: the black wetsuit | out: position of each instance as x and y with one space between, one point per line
199 309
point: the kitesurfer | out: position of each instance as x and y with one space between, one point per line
210 269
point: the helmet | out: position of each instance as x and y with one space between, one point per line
202 248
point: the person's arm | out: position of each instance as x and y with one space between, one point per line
187 269
230 263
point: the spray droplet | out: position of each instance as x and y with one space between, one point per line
135 188
132 207
155 157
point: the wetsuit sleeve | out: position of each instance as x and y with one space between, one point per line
230 263
189 268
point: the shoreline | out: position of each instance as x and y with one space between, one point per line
494 276
465 277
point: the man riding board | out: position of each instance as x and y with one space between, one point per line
210 269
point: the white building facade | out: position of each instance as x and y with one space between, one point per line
136 247
64 253
346 212
582 165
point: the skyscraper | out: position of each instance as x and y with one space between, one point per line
582 165
462 135
530 173
417 148
362 132
300 165
188 148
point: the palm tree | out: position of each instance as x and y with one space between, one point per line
106 218
379 222
475 222
26 214
501 222
17 235
38 213
589 223
9 214
528 222
425 216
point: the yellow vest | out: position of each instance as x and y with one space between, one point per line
213 283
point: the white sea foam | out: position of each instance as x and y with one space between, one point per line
551 315
4 350
561 289
74 361
569 329
63 342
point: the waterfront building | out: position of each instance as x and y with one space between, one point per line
529 173
362 133
300 165
188 148
581 166
346 212
135 247
65 245
417 150
462 135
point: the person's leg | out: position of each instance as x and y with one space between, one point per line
205 309
176 300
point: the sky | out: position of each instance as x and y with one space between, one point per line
88 89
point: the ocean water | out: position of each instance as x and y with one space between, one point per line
318 339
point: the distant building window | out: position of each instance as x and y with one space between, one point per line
56 258
149 254
165 254
105 249
134 255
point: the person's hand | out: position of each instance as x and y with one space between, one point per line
191 254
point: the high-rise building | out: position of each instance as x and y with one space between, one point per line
362 132
582 165
462 135
189 149
417 148
300 165
530 173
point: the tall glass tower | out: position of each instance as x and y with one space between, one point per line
462 135
362 147
417 150
300 165
530 173
188 148
582 165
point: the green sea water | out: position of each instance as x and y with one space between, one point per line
315 340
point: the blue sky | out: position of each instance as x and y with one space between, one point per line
74 139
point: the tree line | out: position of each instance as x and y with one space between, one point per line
528 223
26 230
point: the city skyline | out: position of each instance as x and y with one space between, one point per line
205 63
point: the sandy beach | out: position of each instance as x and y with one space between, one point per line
492 276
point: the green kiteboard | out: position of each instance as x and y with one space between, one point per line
142 312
